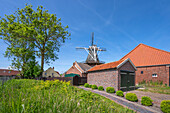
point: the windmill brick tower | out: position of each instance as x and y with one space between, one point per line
93 53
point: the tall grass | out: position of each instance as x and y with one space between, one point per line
26 96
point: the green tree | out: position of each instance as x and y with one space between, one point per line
32 68
44 32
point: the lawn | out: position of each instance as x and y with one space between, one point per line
52 96
156 89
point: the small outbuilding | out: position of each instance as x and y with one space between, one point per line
119 74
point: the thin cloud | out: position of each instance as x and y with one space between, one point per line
108 21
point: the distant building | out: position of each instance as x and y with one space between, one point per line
50 72
79 68
7 74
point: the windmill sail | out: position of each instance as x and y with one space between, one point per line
93 52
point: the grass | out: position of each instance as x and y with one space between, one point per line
34 96
156 89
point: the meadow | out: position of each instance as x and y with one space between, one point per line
26 96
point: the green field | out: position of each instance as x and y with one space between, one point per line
25 96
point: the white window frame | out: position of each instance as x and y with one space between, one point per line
154 75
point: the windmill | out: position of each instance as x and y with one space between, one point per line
93 53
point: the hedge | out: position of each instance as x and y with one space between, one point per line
120 93
165 106
147 101
100 88
110 90
131 97
94 87
86 85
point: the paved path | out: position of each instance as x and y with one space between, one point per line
122 101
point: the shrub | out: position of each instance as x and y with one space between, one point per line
94 87
131 97
110 90
120 93
90 86
100 88
86 85
147 101
165 106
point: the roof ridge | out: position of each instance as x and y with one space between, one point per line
155 48
146 46
131 51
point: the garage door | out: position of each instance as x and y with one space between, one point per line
127 80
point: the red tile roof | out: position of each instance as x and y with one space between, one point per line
144 55
106 66
8 72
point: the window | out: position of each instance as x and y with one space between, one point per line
154 75
141 72
9 71
52 74
4 71
45 73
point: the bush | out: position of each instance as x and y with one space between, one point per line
90 86
120 93
131 97
165 106
94 87
100 88
110 90
86 85
147 101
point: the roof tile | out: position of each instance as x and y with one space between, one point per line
144 55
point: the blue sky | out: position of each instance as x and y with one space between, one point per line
118 25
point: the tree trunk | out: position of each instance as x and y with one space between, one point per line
42 63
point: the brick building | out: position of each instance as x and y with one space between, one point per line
7 74
151 63
119 74
79 68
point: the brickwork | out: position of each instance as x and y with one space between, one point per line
105 78
108 78
74 70
163 73
127 66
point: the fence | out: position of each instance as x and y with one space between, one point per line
73 80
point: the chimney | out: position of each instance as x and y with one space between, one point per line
53 67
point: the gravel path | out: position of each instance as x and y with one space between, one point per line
136 106
156 97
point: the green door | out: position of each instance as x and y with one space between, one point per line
127 81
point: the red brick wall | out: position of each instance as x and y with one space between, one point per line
105 78
163 73
73 69
108 78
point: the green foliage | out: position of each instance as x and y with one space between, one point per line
147 101
110 90
131 97
30 31
100 88
94 87
165 106
86 85
33 96
32 69
90 86
120 93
